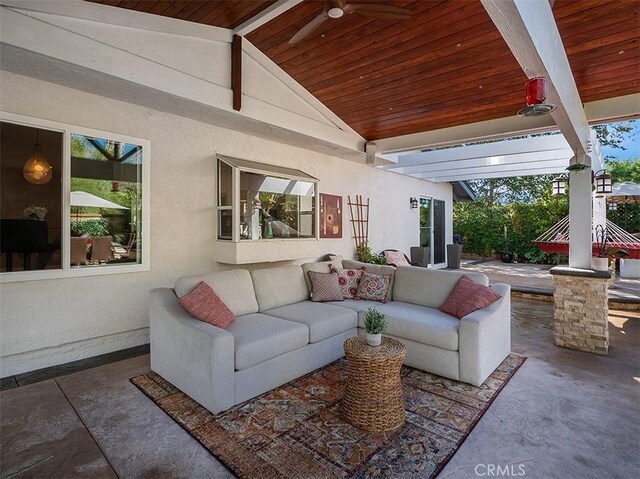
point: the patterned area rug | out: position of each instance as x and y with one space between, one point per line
296 430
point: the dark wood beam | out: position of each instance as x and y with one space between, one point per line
236 71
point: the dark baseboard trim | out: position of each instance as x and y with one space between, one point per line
38 375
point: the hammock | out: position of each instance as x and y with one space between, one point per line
556 238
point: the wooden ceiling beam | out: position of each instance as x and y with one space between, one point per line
266 15
530 31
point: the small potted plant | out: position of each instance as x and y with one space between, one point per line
375 324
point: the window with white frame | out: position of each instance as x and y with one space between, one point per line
73 201
263 202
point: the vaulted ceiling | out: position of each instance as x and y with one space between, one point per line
446 66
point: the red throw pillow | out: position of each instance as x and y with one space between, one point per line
468 296
204 304
348 280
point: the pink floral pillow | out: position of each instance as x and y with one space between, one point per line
395 258
205 305
325 287
348 280
374 287
468 296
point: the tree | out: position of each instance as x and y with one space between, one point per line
624 170
613 134
519 189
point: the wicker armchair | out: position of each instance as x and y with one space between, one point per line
78 250
101 249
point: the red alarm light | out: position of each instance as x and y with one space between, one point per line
536 89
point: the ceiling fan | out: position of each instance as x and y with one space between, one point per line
337 8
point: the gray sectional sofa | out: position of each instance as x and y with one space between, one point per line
279 334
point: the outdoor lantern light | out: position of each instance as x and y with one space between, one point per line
536 94
558 186
37 169
414 202
603 182
612 206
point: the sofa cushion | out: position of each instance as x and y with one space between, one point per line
324 287
374 287
234 287
348 281
419 323
205 305
428 286
353 304
318 267
280 286
258 337
468 296
324 320
373 269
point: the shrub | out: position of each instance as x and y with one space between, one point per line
97 227
367 256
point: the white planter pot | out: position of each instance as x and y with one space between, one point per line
600 264
374 339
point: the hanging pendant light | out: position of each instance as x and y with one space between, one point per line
37 169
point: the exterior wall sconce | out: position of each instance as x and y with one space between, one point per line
558 186
37 169
612 206
413 201
603 182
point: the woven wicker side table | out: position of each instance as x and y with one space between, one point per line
373 397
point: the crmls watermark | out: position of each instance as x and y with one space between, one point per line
500 470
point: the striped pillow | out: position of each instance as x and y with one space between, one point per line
205 305
324 287
468 296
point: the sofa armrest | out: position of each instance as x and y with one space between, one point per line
485 338
196 357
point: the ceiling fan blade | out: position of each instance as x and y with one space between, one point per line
308 29
379 11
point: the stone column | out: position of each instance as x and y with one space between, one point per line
581 310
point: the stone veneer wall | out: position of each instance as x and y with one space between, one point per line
581 312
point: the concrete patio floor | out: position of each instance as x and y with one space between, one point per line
565 414
537 277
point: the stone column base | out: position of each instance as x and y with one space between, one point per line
581 310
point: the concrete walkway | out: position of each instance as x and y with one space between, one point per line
565 414
523 276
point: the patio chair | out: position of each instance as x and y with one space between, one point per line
101 249
405 257
78 250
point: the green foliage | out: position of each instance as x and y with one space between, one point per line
96 227
489 227
613 134
624 170
367 256
374 321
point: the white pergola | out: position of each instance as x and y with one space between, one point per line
548 154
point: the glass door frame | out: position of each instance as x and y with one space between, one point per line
430 200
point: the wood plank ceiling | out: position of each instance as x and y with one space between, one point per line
446 66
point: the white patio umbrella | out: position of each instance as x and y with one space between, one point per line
82 198
625 193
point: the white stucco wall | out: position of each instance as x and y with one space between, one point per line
43 323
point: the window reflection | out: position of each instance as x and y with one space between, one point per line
272 207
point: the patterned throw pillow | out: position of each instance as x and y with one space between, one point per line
348 280
468 296
205 305
395 258
374 287
324 287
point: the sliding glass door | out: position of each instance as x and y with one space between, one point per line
432 229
